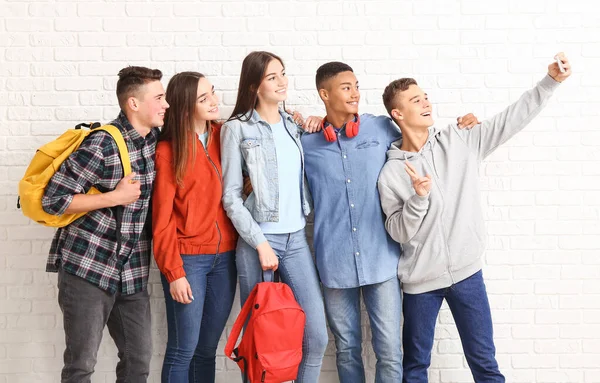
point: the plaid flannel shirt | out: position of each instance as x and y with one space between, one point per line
87 247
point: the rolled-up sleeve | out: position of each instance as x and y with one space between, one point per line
76 175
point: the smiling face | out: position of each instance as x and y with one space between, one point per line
273 87
207 102
149 104
341 93
413 109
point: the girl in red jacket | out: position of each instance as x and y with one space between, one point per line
194 241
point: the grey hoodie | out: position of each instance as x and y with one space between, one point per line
443 233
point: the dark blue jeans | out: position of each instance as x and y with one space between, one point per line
470 308
195 328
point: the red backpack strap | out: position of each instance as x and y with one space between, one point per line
239 324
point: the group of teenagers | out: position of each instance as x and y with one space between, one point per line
397 220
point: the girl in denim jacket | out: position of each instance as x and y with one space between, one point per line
263 141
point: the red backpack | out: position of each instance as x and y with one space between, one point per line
271 348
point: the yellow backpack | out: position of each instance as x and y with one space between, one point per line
47 161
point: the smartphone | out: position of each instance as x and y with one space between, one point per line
560 65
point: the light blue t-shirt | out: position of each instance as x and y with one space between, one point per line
289 172
204 138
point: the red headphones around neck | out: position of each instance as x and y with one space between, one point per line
329 130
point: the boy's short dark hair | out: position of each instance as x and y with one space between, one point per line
329 70
391 92
131 79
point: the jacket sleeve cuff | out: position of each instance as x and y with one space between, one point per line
256 239
549 83
57 205
420 202
173 275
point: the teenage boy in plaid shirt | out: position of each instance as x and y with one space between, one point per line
101 282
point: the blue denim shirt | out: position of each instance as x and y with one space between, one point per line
248 147
352 247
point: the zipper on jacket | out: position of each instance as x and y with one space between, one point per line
263 376
437 184
220 181
220 237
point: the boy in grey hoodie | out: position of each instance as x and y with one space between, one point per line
429 189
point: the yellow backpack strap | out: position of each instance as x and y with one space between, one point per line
120 141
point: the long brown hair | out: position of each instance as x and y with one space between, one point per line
253 72
179 120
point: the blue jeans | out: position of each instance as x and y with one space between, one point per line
384 307
195 328
470 308
296 269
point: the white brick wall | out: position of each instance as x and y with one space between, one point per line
58 65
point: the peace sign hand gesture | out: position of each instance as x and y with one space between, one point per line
422 185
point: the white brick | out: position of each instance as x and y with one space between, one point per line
14 336
53 40
536 272
15 366
202 9
97 98
78 24
126 54
48 365
77 54
13 99
52 70
579 272
510 228
28 54
28 113
558 257
244 39
14 69
174 25
513 22
97 9
101 39
233 24
153 10
28 24
475 7
126 25
14 10
579 331
380 8
31 351
78 114
580 302
579 242
512 346
52 10
50 99
557 317
558 227
558 376
190 40
592 376
534 361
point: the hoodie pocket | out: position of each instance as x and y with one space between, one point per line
423 260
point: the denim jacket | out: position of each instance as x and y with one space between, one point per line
248 147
